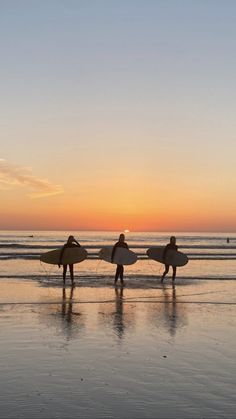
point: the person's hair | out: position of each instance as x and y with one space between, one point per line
122 236
172 238
70 238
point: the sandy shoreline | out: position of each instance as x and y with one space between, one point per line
158 352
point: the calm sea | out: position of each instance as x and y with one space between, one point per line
211 255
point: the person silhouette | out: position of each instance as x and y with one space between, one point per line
71 242
169 246
120 268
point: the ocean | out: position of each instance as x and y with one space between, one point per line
211 255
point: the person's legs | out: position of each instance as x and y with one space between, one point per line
116 274
122 274
165 272
174 273
64 273
119 274
72 274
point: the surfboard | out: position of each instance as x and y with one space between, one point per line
70 256
122 256
173 257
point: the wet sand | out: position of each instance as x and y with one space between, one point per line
149 351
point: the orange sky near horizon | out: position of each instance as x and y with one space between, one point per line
136 213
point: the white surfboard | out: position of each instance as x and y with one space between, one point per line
122 255
70 256
173 257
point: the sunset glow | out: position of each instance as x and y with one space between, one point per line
110 119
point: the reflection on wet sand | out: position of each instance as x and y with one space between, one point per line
115 310
170 309
64 316
118 315
169 313
67 305
121 318
60 357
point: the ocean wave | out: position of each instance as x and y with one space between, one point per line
197 256
98 246
102 279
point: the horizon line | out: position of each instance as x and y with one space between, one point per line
120 230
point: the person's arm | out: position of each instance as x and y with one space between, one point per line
113 252
75 241
164 253
61 255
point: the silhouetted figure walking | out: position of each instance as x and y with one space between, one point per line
169 246
71 242
119 268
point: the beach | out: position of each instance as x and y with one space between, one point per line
96 352
145 351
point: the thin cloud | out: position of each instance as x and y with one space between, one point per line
13 175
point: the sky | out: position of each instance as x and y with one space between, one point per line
118 115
